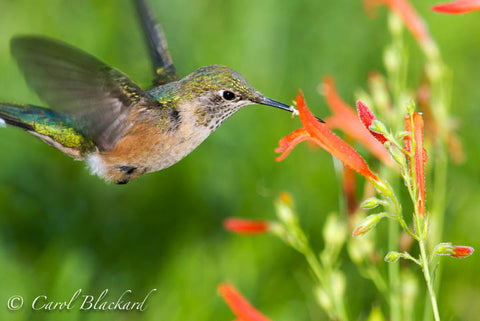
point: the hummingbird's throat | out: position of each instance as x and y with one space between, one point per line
212 119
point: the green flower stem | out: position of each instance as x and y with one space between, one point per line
428 279
387 191
394 274
438 211
293 235
324 280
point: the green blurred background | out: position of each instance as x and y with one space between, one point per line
62 229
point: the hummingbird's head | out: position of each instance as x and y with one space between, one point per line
218 92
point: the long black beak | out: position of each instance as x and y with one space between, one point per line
274 103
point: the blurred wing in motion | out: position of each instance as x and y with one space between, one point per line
95 96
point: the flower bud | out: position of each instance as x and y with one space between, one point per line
383 187
409 286
395 24
368 223
431 50
361 249
368 118
334 231
323 299
443 249
378 127
411 108
392 256
457 251
286 198
277 228
391 59
370 203
284 209
338 284
376 314
401 135
397 155
434 70
462 251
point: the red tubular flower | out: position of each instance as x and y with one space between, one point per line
367 118
409 16
345 118
419 156
457 7
244 226
243 310
319 133
462 251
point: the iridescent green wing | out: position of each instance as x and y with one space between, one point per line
96 97
164 70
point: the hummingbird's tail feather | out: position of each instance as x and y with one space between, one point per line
9 116
162 62
53 128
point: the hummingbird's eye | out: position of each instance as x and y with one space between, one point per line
228 95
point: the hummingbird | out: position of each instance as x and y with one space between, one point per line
98 115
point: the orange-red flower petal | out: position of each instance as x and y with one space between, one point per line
367 118
287 143
457 7
325 138
462 251
345 118
242 309
419 158
245 226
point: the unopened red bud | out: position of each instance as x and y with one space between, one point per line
369 121
462 251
